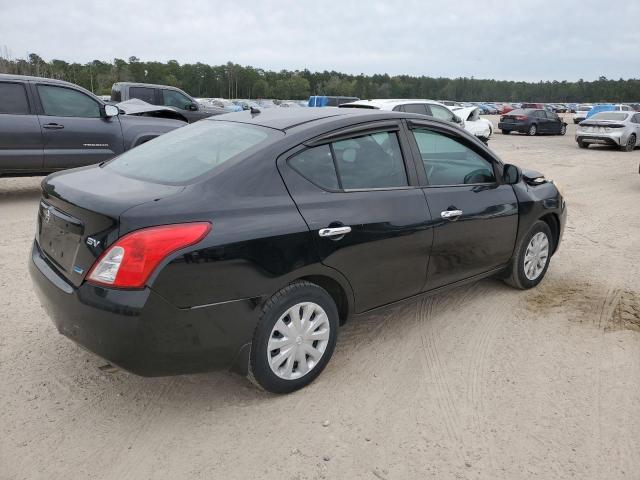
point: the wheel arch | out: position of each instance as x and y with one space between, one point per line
551 219
336 291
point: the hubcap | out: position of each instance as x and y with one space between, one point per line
298 340
632 140
536 256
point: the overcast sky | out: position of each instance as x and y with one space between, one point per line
506 39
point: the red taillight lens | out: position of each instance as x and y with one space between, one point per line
129 262
522 118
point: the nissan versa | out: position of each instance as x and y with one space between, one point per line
244 241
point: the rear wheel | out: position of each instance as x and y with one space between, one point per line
563 129
582 144
531 260
506 132
630 145
533 129
294 338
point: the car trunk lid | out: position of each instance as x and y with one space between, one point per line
79 215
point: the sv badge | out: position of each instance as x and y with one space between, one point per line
92 242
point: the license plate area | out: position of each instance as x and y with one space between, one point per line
59 235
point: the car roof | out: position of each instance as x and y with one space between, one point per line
149 85
388 103
288 118
28 78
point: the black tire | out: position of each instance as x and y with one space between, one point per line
582 144
517 277
260 371
506 132
533 130
630 145
576 121
563 129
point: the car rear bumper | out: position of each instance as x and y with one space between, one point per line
614 140
139 331
514 127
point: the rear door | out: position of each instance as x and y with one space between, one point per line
20 136
553 122
74 131
366 213
542 121
475 216
146 94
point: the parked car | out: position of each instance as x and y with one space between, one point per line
617 128
244 241
164 95
421 107
226 105
246 104
265 103
48 125
581 112
540 106
329 101
474 123
532 121
289 104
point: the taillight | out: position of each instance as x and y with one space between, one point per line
522 118
129 262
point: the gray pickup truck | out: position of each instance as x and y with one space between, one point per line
165 95
48 125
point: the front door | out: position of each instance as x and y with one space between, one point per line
74 131
20 135
368 218
475 216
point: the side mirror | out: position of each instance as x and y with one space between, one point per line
111 111
457 119
511 174
192 106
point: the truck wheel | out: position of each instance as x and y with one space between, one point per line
294 338
531 260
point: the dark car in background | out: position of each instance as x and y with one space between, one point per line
48 125
532 121
167 96
245 241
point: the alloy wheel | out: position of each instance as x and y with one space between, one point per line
298 340
536 256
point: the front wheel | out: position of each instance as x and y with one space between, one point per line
563 129
630 145
582 144
533 129
531 260
294 338
506 132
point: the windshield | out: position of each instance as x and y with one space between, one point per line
616 116
189 152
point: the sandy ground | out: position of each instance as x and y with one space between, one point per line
482 382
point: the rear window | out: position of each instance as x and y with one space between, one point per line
143 93
13 99
189 152
519 111
616 116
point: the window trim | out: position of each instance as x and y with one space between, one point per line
496 164
356 131
25 86
41 110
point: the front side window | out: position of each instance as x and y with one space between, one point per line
66 102
145 94
13 99
370 161
172 98
441 113
449 162
182 155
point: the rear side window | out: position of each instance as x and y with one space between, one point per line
449 162
189 152
13 99
316 165
66 102
116 93
145 94
365 162
418 108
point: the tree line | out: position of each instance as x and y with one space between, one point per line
236 81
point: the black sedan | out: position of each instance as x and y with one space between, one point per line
244 241
532 121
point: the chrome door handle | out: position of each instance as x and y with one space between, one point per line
451 213
334 232
53 126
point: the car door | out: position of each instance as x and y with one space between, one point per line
20 136
553 122
367 215
475 215
74 129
